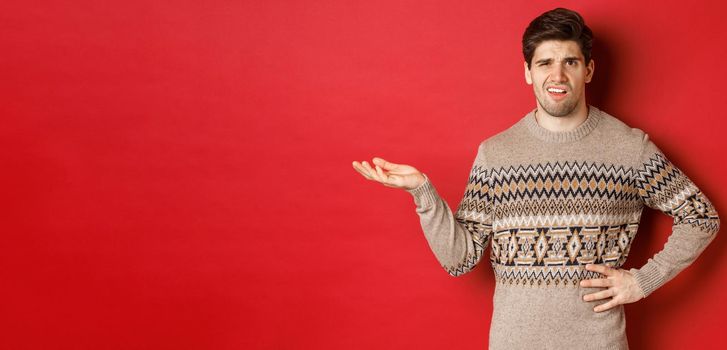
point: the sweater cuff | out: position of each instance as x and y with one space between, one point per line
648 278
425 194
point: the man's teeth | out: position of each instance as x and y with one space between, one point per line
560 91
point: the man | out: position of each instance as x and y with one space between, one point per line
559 197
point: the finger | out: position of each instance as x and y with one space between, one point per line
603 269
381 174
384 164
606 306
597 282
366 172
371 171
599 295
362 171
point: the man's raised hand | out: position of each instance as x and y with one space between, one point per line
390 174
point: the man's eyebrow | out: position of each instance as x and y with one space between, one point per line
547 60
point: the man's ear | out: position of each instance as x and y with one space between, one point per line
528 78
589 70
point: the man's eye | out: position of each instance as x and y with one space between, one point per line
571 62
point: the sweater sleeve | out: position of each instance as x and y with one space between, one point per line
662 186
458 241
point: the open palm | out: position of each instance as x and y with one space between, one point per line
390 174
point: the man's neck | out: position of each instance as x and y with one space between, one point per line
564 123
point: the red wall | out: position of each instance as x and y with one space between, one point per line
177 175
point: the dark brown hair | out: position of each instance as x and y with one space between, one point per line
557 24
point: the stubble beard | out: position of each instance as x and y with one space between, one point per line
558 109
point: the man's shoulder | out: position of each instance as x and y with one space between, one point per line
498 137
501 140
495 140
503 135
617 128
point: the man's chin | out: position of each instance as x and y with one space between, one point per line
560 109
560 113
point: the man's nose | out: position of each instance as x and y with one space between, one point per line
558 74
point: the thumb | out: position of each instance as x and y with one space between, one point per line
384 164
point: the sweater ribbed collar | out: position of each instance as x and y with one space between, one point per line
583 129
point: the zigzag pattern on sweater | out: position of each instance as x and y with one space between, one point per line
563 214
563 180
480 233
543 277
664 187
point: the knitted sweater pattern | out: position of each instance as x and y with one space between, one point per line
548 203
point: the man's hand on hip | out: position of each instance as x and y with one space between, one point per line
621 284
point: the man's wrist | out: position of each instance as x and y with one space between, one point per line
424 195
422 179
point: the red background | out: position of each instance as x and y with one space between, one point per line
177 175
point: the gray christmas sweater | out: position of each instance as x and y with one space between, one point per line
548 203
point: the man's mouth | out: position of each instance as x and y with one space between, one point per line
557 93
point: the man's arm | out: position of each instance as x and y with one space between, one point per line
661 185
458 241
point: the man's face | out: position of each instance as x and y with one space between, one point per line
559 75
